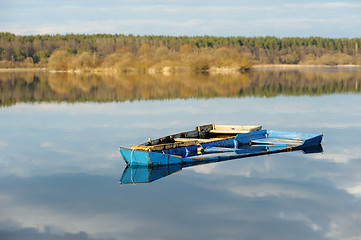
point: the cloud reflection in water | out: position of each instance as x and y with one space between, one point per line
59 173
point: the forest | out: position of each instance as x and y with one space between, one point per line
128 53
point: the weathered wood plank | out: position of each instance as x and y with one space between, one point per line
159 147
232 129
200 140
275 141
199 132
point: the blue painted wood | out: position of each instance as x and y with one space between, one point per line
147 174
242 145
182 151
242 152
290 138
134 157
248 137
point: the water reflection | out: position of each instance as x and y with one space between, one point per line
60 168
147 174
101 87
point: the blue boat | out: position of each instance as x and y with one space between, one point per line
212 143
146 174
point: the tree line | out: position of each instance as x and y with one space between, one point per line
130 52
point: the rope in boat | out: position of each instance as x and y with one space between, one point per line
131 157
131 166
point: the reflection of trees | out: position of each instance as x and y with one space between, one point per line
296 83
65 83
75 87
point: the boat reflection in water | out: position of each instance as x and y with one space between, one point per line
134 174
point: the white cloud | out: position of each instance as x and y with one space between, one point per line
47 144
356 189
332 157
323 5
3 144
64 221
270 189
182 18
342 155
300 217
205 169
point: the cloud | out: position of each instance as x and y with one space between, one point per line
300 217
47 144
276 189
59 222
3 144
323 5
334 157
205 169
182 18
32 233
356 189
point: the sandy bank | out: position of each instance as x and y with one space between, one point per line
169 70
290 66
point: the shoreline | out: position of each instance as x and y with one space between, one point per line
220 70
298 66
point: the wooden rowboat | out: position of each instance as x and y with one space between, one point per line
146 174
215 143
201 134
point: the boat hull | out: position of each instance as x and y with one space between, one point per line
242 145
136 157
145 173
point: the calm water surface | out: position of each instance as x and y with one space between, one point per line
60 166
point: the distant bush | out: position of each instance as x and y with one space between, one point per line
60 60
198 61
290 58
85 61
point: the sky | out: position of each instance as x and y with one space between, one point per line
280 18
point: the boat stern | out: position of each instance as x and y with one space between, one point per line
143 158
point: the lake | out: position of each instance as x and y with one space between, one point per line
60 166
